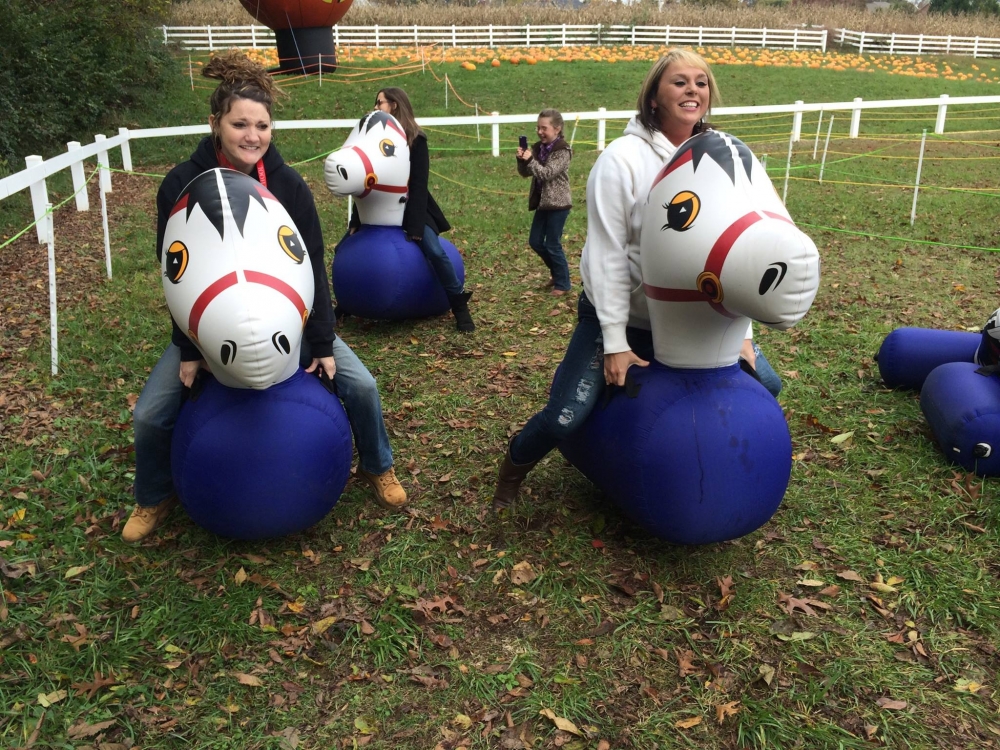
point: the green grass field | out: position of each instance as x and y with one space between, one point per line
416 630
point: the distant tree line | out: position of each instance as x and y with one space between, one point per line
68 66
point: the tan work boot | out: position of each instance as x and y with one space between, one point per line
389 493
145 519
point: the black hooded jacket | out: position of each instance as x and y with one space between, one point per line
291 190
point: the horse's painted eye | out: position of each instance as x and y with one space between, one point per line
387 147
682 210
291 244
177 261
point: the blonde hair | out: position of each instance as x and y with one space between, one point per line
402 111
647 112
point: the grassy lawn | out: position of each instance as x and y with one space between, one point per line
864 614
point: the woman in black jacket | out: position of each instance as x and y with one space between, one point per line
240 121
423 219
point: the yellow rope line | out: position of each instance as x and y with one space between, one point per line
972 191
473 187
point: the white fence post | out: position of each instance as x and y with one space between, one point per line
920 45
947 46
795 39
53 312
527 35
416 37
942 113
496 132
826 147
563 36
79 179
861 44
39 200
126 150
211 48
107 234
819 124
788 170
491 45
763 38
666 38
916 186
797 121
454 38
975 48
601 127
164 33
825 33
856 117
377 42
104 166
892 44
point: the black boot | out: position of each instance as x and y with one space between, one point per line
460 309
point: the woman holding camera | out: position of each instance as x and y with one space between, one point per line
547 164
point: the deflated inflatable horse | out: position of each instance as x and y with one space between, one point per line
699 451
262 449
958 375
377 271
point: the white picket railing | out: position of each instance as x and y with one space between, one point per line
37 170
917 44
222 37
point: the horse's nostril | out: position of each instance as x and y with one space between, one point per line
343 172
281 343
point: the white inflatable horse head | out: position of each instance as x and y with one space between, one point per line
237 278
718 250
374 166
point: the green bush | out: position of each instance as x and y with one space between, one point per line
68 67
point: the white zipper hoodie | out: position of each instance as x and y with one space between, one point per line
616 193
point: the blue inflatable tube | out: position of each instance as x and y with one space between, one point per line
250 464
697 456
908 355
962 407
379 273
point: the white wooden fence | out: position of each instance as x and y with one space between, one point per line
917 44
224 37
37 170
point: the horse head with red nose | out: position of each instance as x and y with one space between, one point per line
719 250
237 278
373 165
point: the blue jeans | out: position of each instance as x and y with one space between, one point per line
161 398
545 239
579 385
440 262
768 377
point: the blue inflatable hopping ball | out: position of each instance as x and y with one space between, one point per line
253 464
379 273
962 407
908 355
696 457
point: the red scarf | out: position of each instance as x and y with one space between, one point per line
226 164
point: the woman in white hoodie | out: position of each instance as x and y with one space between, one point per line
613 329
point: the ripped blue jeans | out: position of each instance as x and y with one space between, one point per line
578 385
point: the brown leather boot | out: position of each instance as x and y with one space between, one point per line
509 482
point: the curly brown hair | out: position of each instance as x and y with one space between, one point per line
240 78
